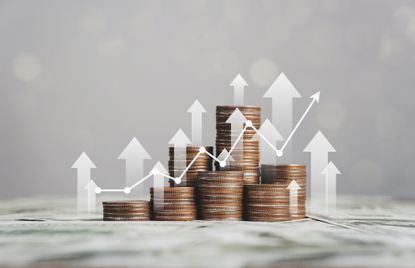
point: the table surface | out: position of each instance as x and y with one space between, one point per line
367 232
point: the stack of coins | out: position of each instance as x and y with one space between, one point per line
267 202
173 204
177 166
131 210
220 195
246 155
283 175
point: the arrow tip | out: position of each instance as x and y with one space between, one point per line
158 167
316 96
330 169
282 87
180 138
134 149
293 185
236 117
83 161
238 81
196 107
319 143
91 185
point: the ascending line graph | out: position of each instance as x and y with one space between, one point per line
222 163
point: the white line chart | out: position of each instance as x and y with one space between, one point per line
222 163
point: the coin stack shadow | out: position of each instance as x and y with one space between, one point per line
248 160
130 210
202 163
283 175
177 204
266 202
220 195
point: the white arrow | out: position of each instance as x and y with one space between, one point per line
238 85
196 111
90 188
237 120
223 156
159 172
83 165
293 187
331 173
315 98
179 142
319 147
268 130
134 155
282 92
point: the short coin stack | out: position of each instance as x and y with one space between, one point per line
266 202
176 166
246 154
130 210
283 176
174 204
220 195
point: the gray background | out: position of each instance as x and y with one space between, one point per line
90 75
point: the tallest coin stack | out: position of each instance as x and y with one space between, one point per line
246 153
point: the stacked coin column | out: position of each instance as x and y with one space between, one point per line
178 161
283 176
247 153
131 210
266 202
220 195
177 204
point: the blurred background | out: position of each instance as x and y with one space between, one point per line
89 75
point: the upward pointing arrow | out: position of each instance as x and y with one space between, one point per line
237 120
331 173
179 142
83 166
238 85
134 155
293 188
270 133
196 111
158 185
319 147
90 188
282 92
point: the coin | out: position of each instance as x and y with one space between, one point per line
128 210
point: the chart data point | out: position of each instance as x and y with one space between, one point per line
155 171
248 123
202 150
127 190
178 180
222 164
279 153
98 190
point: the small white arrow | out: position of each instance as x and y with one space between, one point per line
238 85
134 155
293 187
196 111
223 156
158 184
331 173
319 147
282 92
269 131
237 120
315 98
83 165
90 188
179 142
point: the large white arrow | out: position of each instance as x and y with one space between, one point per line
83 165
319 147
293 188
282 92
134 155
90 189
237 120
268 130
196 111
158 183
315 98
238 85
179 142
331 173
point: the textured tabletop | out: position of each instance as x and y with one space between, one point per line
368 232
